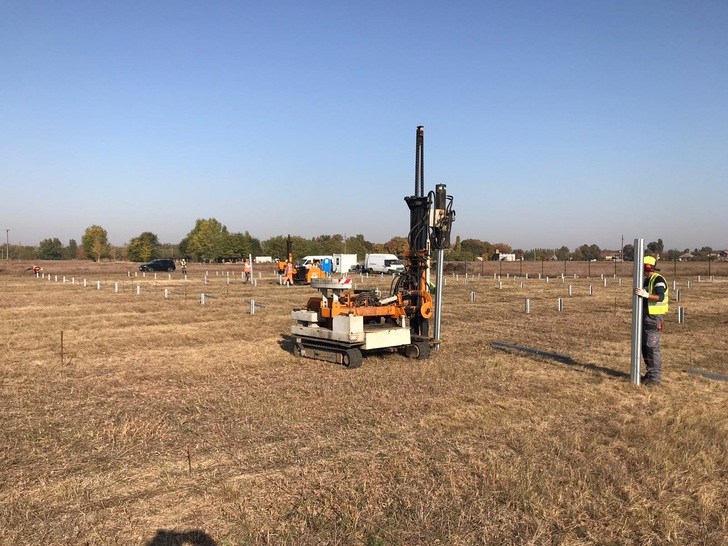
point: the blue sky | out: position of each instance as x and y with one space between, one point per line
552 123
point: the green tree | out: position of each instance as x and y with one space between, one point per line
323 244
230 249
240 245
95 242
459 256
206 241
334 244
628 253
300 247
71 251
477 247
674 254
358 245
503 248
588 253
703 253
168 250
543 254
563 253
50 249
235 246
144 247
276 247
656 247
303 247
397 245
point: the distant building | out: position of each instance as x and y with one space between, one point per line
686 257
500 257
611 255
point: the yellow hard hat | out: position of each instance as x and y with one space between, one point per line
650 263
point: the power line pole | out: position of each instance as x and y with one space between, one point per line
7 245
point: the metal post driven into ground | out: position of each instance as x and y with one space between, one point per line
438 296
639 255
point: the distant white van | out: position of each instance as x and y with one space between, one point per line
383 263
324 261
307 261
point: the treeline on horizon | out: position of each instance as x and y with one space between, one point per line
210 241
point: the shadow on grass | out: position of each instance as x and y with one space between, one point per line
563 359
187 538
287 343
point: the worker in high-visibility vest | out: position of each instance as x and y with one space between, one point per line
246 271
655 297
288 273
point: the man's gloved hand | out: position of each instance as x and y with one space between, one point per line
641 292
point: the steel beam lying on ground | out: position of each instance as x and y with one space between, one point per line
539 352
708 375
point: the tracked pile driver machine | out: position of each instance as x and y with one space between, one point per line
343 322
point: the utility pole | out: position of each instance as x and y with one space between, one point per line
7 245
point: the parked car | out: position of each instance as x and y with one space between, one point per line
158 265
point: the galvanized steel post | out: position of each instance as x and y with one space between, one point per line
639 255
438 296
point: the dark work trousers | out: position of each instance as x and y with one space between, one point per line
651 332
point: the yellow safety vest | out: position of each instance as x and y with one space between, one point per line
657 307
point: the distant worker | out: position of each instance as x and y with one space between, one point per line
655 303
288 273
183 265
246 271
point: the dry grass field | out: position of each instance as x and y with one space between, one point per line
167 422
